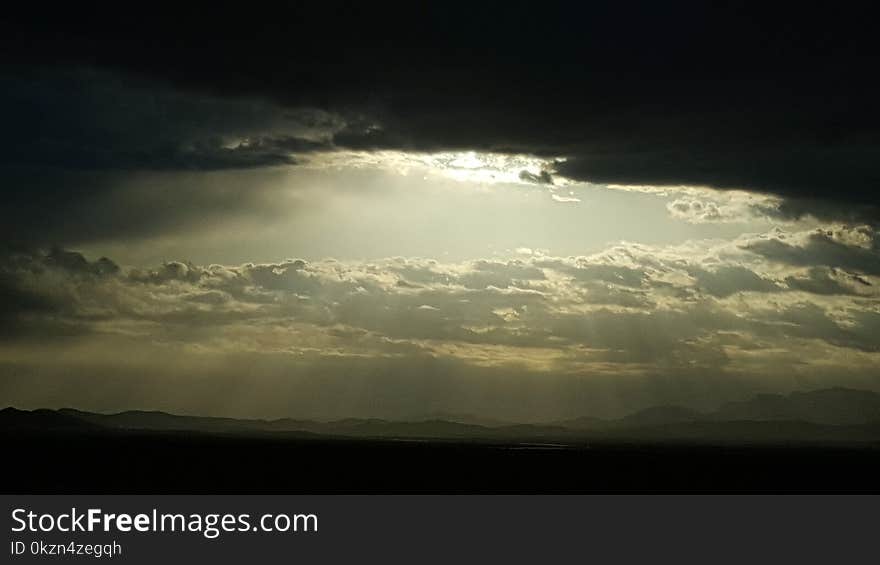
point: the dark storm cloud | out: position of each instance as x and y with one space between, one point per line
38 290
775 100
786 168
88 155
90 121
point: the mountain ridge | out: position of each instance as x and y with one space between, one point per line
834 413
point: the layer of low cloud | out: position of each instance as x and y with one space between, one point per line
738 317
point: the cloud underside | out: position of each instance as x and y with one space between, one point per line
771 310
705 96
92 155
90 120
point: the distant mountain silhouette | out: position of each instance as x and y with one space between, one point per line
654 416
661 416
461 419
832 406
12 419
155 420
836 414
585 423
835 406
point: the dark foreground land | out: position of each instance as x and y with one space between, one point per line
183 462
820 441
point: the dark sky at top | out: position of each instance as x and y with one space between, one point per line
779 100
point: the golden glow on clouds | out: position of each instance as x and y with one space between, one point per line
469 166
691 204
774 308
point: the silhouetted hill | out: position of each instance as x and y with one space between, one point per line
12 419
584 423
830 407
830 415
775 432
834 406
462 419
56 453
155 420
661 416
348 427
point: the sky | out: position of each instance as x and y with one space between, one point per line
517 212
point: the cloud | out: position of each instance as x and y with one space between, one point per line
696 211
825 280
74 262
852 248
730 279
95 155
483 274
544 177
630 304
564 199
94 121
709 96
655 314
